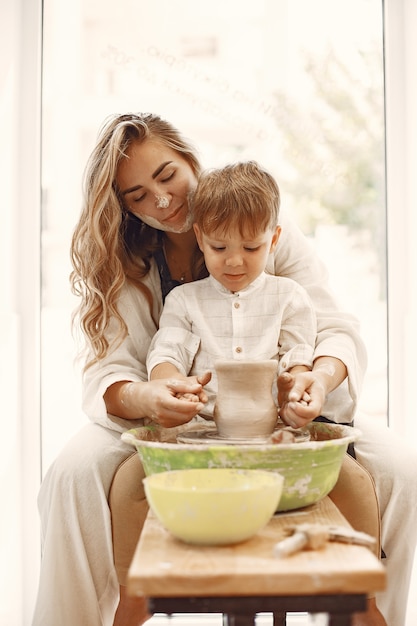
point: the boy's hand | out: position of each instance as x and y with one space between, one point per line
301 397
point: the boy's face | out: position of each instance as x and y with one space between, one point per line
234 260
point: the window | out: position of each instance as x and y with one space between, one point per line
242 80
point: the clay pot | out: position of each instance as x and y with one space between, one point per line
245 405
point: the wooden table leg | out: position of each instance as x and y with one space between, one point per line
279 619
237 619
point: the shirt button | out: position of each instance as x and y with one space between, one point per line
236 305
238 349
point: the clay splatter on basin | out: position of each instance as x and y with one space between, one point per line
310 468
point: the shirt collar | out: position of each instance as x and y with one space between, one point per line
253 286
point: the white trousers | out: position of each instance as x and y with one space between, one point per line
393 465
78 583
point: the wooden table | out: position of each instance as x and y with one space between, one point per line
245 579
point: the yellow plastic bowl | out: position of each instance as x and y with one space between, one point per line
213 506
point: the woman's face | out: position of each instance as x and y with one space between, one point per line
154 182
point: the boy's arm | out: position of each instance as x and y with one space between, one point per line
165 370
296 369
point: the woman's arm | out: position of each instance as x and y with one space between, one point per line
155 399
338 339
116 388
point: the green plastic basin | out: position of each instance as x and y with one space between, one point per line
310 469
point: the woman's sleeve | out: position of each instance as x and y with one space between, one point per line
337 331
127 361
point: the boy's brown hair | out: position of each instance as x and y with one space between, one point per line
241 195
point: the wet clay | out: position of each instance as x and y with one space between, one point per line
245 405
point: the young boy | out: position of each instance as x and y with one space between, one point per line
239 312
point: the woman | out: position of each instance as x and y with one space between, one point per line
132 244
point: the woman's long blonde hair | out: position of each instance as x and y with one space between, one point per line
110 245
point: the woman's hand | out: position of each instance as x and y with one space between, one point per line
201 380
163 400
176 401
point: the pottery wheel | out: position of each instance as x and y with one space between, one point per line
210 435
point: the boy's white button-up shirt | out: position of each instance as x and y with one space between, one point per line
203 321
